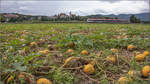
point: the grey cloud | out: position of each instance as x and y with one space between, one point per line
51 7
114 1
30 7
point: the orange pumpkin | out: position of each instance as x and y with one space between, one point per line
131 47
43 81
145 71
146 53
69 51
89 69
84 52
140 57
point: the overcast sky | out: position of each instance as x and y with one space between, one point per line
79 7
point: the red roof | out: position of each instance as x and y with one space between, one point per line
62 14
104 19
11 15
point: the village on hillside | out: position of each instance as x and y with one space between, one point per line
15 17
63 17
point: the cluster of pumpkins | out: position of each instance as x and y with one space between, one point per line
33 44
28 78
123 36
139 56
124 80
89 68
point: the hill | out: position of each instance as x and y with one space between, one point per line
142 16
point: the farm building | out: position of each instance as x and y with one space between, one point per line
63 15
9 16
93 20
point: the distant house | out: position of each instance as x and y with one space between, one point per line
94 20
9 16
71 15
63 15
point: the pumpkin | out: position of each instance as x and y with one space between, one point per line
84 52
146 53
89 69
145 71
10 79
44 52
140 57
43 81
114 50
69 51
131 73
32 44
123 80
131 47
111 59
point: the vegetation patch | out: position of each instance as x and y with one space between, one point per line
75 53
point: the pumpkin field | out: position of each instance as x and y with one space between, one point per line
75 53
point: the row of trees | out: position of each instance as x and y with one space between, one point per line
133 19
22 18
68 18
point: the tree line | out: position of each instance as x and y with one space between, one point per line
22 18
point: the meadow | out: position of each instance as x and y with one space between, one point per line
74 53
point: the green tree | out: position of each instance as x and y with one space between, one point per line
116 17
133 19
107 18
2 19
